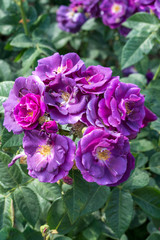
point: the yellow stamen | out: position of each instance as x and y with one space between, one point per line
65 96
30 113
103 154
45 150
128 110
60 69
116 8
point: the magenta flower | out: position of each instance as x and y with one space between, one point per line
28 111
104 157
50 127
49 158
95 79
50 68
17 120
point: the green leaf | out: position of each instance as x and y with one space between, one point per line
148 199
47 191
5 88
89 25
154 163
57 217
6 212
138 179
84 197
142 19
21 41
28 204
28 58
10 177
9 139
14 234
31 234
141 145
4 234
135 49
135 78
141 160
5 71
156 125
119 211
154 236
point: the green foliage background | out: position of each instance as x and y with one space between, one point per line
30 210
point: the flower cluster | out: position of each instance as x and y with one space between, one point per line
62 91
113 12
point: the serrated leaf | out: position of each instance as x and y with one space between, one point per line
21 41
28 204
135 49
140 20
6 212
47 191
5 88
141 145
10 177
84 197
148 199
119 211
154 163
138 179
9 139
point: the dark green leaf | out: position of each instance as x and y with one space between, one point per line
141 145
9 139
84 197
156 125
154 163
119 211
6 212
10 177
148 199
28 204
14 234
31 234
154 236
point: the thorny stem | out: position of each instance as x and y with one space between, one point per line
24 18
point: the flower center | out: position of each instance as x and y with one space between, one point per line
116 8
128 108
70 14
103 154
44 150
60 69
65 96
30 113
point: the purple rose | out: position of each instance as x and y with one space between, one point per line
130 70
66 103
95 79
114 12
123 108
49 158
104 157
70 19
22 87
50 127
28 111
54 66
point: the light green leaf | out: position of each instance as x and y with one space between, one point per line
119 211
21 41
9 139
28 58
142 19
28 204
6 212
84 197
156 125
141 145
135 49
5 71
154 163
5 88
10 177
138 179
148 199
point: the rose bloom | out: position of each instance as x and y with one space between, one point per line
24 105
54 66
114 12
28 111
49 157
104 157
70 19
50 127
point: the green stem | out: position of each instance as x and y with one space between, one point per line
24 18
157 73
